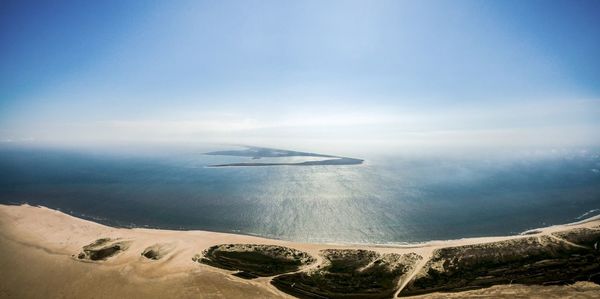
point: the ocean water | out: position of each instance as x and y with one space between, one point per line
391 199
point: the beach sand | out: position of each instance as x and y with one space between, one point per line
39 250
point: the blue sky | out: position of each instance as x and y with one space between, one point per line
417 73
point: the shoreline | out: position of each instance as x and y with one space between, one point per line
415 244
57 238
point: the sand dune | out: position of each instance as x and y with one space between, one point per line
49 254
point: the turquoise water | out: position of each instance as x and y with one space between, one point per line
392 199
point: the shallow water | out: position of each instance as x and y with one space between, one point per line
392 199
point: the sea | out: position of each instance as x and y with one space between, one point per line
391 198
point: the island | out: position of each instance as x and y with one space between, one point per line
262 152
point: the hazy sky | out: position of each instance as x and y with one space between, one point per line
314 74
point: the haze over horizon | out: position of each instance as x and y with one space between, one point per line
313 75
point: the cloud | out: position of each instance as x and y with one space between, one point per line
332 125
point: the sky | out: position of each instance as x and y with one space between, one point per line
303 74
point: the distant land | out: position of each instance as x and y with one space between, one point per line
263 152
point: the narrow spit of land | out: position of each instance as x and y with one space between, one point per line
261 152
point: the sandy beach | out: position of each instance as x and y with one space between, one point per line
40 249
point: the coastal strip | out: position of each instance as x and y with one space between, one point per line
99 261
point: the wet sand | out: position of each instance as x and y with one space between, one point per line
41 257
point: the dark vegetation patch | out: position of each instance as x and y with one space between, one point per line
582 236
157 251
245 275
151 254
255 260
349 273
533 260
102 249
